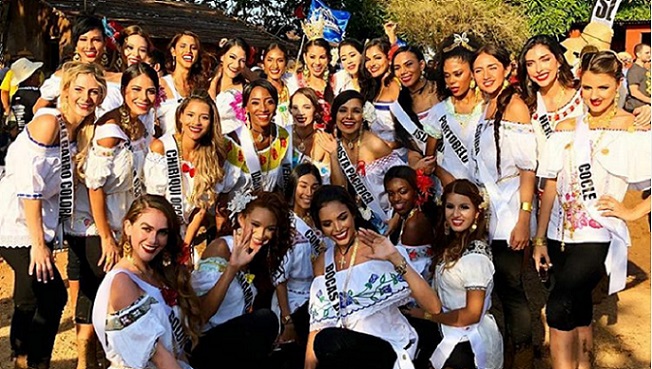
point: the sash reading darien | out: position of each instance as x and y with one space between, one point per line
358 184
251 156
450 136
175 187
543 118
67 186
420 137
616 261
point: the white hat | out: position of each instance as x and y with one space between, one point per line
23 69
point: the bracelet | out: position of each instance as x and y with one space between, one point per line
286 320
427 315
539 242
526 206
401 268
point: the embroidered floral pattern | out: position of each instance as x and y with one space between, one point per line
236 106
416 253
575 215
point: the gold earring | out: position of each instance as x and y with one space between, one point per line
126 248
474 226
76 57
505 84
472 86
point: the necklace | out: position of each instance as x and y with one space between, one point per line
302 146
602 122
410 215
419 90
343 258
351 143
261 134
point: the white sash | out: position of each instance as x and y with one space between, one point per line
499 200
543 119
286 162
67 185
452 336
451 137
419 136
307 232
616 261
251 156
175 183
330 277
358 183
136 184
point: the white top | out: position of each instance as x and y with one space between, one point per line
374 176
111 169
32 171
573 109
168 109
343 82
205 277
457 127
473 271
229 107
51 91
619 159
420 258
129 336
383 125
375 292
518 152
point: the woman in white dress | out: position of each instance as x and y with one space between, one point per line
463 283
308 134
186 74
503 159
146 311
359 158
350 53
227 84
453 121
188 167
588 164
109 163
355 321
37 196
234 284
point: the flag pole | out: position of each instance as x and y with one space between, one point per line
301 46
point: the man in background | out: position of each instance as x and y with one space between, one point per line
638 79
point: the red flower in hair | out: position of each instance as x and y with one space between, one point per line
184 257
424 183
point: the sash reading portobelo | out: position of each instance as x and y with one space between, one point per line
455 142
174 184
352 176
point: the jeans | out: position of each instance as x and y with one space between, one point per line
37 308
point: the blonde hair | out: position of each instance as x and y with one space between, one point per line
210 155
86 130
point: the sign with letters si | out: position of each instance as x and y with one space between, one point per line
604 11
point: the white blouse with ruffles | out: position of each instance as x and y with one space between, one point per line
517 152
33 171
111 169
374 176
205 277
620 160
383 125
51 91
573 109
129 336
168 109
371 305
232 112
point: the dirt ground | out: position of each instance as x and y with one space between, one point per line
622 321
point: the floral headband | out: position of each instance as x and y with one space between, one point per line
459 41
239 202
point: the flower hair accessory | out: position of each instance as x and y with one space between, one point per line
369 112
459 40
484 206
424 184
239 202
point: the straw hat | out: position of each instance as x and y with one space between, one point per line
23 69
595 33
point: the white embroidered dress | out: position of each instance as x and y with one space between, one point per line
369 305
129 336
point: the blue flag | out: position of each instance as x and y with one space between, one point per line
335 21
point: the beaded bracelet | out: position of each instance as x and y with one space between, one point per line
539 242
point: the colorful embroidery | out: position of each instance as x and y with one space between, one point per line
278 149
575 215
123 318
416 253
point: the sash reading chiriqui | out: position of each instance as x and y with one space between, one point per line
543 118
175 188
358 184
616 261
420 137
67 186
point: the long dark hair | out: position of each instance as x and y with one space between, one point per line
196 76
329 95
504 97
370 86
448 49
168 264
455 244
269 263
298 172
235 42
342 99
564 75
331 193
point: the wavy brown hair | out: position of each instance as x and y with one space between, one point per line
197 76
175 275
210 155
456 243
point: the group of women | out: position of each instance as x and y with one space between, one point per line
351 219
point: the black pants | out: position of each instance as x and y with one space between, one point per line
509 287
37 308
88 251
244 342
429 337
576 272
338 348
